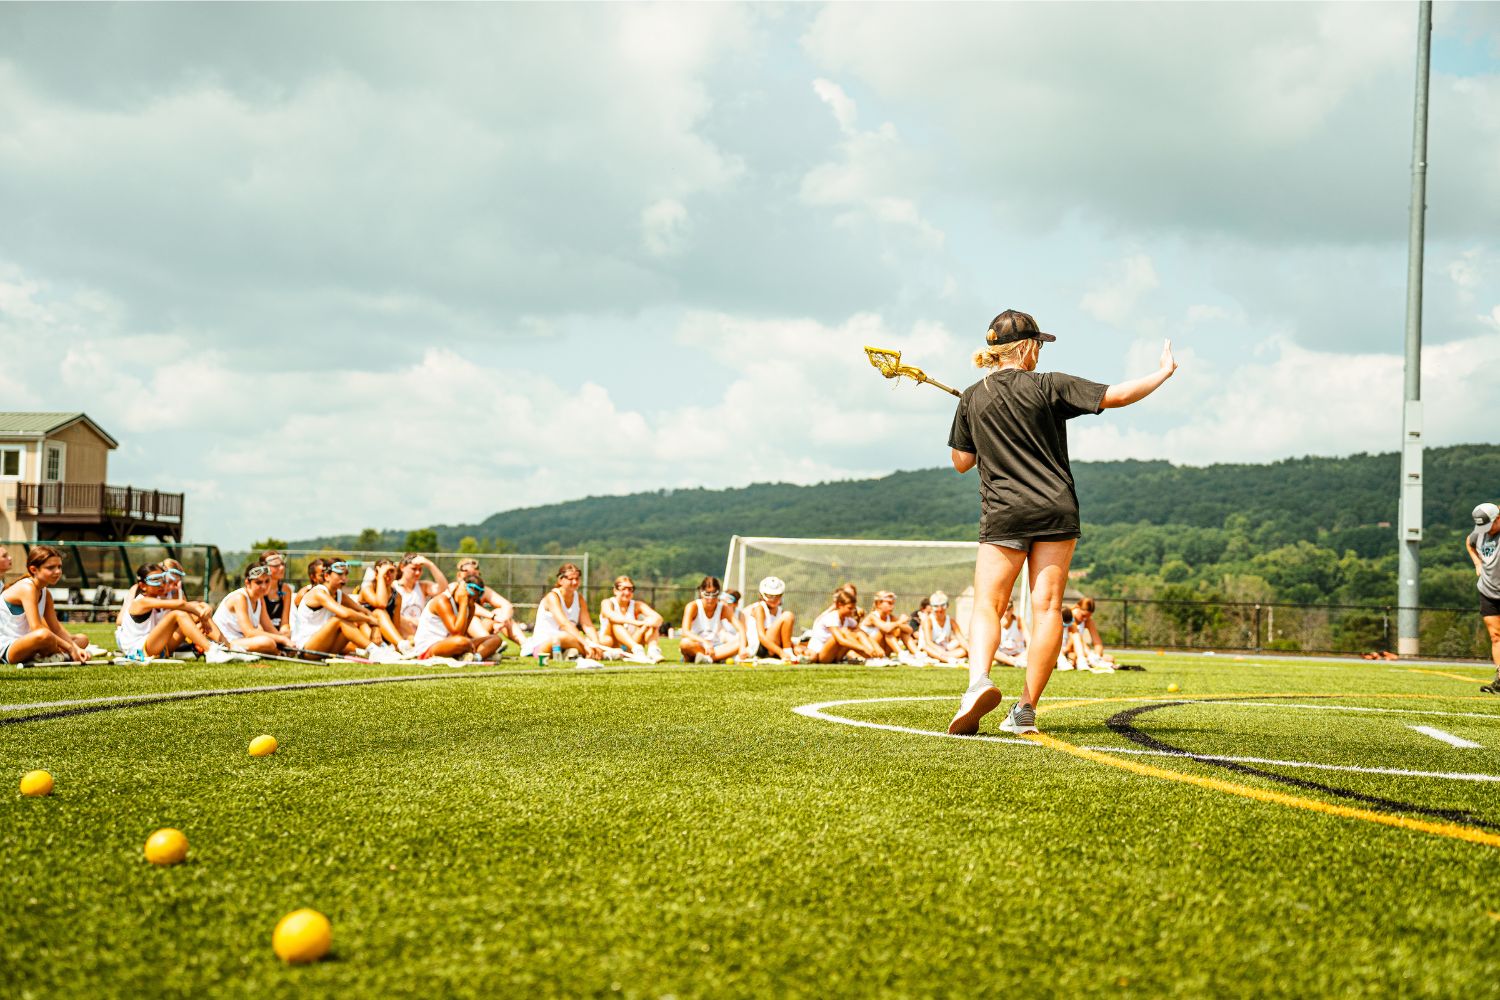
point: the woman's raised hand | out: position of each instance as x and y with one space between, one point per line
1168 364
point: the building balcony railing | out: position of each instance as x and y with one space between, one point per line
95 503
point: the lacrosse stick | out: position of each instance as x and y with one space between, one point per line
888 363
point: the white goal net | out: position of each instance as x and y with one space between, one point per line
813 568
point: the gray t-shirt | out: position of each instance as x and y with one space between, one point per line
1016 422
1488 547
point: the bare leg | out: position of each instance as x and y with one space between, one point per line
454 645
1492 625
485 648
255 644
38 642
1049 576
691 646
388 627
329 638
832 652
725 650
995 573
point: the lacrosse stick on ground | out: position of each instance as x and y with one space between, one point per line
888 363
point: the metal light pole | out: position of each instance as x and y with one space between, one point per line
1408 589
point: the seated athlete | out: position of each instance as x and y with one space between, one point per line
327 620
891 633
378 595
746 653
242 618
562 620
493 615
1014 638
279 598
836 634
29 627
710 633
630 624
769 626
315 570
941 637
157 625
414 591
1085 647
443 629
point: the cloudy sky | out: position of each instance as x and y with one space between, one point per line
335 266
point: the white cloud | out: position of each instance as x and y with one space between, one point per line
1115 302
874 177
664 227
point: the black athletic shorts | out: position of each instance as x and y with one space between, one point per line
1489 607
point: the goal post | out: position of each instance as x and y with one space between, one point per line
813 568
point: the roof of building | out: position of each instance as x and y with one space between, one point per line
42 424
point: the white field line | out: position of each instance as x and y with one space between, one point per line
219 692
1492 716
819 711
1448 738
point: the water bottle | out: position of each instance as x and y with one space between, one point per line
557 651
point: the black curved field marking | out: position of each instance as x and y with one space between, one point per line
1122 723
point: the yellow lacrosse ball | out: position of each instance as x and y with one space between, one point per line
36 783
1173 689
166 847
263 746
302 936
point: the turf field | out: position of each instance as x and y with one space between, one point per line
696 831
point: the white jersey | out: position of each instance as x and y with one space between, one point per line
548 627
228 622
708 627
1012 640
766 616
307 620
413 601
430 627
130 636
822 630
940 634
13 622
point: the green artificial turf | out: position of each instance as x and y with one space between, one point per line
679 831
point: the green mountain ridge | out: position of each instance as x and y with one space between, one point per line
1143 519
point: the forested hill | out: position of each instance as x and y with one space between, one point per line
1149 512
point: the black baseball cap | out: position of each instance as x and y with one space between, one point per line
1013 325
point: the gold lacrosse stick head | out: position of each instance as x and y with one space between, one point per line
888 363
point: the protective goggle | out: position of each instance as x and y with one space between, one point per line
256 572
155 579
476 589
176 574
708 593
730 599
337 567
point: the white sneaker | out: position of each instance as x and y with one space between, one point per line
584 663
703 658
981 699
384 654
639 655
881 662
654 651
906 659
93 652
611 653
406 647
51 658
218 654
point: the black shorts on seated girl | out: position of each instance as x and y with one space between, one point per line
1015 422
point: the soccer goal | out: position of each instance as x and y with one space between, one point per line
813 567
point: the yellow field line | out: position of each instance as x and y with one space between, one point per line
1454 831
1439 673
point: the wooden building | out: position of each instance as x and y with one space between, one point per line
54 478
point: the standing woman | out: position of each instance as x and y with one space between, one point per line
1012 424
29 629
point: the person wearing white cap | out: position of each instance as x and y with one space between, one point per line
769 624
1012 425
1483 544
